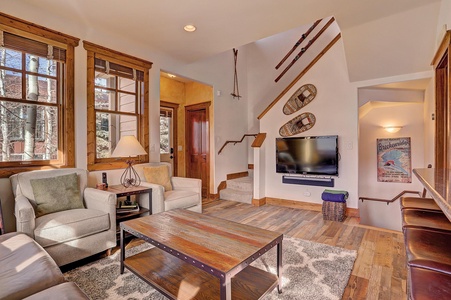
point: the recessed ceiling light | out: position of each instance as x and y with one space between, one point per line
171 75
189 28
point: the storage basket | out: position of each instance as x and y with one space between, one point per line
334 211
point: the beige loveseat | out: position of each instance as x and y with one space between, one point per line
186 192
67 235
28 272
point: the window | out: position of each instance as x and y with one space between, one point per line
36 97
117 104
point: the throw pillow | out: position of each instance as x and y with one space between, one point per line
56 194
158 175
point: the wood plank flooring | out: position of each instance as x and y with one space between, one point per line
380 268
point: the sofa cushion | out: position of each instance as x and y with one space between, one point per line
25 267
63 291
57 193
158 175
69 225
180 199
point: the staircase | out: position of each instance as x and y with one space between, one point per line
238 189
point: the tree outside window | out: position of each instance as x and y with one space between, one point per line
36 97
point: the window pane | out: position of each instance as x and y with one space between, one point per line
12 82
28 132
40 65
109 129
127 103
104 99
10 58
46 89
127 85
105 80
164 134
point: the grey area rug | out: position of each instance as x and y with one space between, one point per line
310 271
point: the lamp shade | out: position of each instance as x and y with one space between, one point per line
128 146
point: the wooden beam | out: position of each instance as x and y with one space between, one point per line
314 61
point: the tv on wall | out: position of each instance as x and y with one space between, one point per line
310 155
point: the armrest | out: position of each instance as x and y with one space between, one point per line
189 184
25 216
157 197
100 200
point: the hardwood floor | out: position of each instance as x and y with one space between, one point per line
380 268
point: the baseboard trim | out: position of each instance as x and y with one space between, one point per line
259 202
351 212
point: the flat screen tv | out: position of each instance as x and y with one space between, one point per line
310 155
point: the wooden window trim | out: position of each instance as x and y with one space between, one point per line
94 51
30 30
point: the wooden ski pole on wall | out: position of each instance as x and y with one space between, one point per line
305 48
303 37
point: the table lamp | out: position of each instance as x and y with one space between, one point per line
129 146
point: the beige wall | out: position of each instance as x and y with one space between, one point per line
183 94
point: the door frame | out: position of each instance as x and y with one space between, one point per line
199 106
175 129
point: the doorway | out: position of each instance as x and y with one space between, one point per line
197 144
168 134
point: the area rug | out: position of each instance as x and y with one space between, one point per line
310 271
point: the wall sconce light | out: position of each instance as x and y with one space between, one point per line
392 129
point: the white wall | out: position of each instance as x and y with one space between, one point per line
230 116
410 116
335 108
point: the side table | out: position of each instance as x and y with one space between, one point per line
127 192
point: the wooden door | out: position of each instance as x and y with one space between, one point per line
197 144
442 62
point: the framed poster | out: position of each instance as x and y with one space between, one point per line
394 160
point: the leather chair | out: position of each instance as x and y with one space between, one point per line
429 284
67 235
427 219
429 263
186 192
419 203
428 249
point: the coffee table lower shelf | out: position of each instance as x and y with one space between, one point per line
177 279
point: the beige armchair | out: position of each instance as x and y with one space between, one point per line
186 192
67 235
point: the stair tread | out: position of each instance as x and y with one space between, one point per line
241 183
236 195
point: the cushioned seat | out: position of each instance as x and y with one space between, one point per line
419 203
63 291
57 209
180 199
64 226
429 284
23 263
428 249
425 219
169 192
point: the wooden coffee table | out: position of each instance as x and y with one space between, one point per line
202 257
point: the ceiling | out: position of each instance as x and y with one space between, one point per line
381 38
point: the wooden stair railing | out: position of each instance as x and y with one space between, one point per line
392 200
259 138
